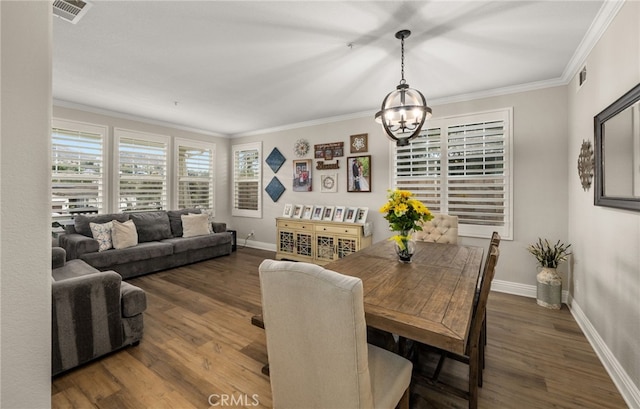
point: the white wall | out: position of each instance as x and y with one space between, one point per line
540 173
25 235
606 241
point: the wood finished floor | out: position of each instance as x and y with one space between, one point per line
199 346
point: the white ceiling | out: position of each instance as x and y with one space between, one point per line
235 67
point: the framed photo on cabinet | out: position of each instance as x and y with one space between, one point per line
288 210
328 213
359 173
307 212
351 214
338 216
297 211
362 215
318 213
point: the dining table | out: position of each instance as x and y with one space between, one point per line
429 300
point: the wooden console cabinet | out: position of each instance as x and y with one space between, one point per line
316 241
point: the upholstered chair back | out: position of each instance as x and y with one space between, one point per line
443 228
316 337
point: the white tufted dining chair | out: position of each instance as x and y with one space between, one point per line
443 228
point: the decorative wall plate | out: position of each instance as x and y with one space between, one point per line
275 160
275 189
301 147
585 165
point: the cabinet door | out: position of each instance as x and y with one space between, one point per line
325 247
346 246
286 242
304 244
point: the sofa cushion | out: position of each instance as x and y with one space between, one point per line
102 234
175 220
71 269
143 251
195 243
134 300
151 226
124 234
195 225
81 222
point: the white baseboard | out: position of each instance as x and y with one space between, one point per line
629 391
257 245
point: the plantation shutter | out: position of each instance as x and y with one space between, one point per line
247 180
195 177
77 169
142 165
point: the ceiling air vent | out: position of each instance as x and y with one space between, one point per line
70 10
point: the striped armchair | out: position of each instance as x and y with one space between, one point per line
93 312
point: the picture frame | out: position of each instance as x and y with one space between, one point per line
307 211
288 210
359 174
297 211
329 183
359 143
362 215
328 213
350 215
318 213
338 216
302 180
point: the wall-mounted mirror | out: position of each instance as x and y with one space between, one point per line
617 153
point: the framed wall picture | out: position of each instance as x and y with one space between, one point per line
307 211
317 213
362 215
288 210
351 214
328 213
359 173
359 143
297 211
329 183
338 216
302 175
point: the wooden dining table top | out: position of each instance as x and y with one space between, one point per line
429 300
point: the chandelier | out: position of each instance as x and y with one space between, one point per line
404 110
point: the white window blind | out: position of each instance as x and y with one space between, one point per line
77 169
195 174
462 166
142 171
247 180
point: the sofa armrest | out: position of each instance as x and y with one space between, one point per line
58 257
86 318
219 227
76 245
134 300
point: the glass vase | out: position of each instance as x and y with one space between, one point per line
404 245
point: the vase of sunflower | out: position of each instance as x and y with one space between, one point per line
404 213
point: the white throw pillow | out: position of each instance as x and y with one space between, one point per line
124 234
102 233
195 225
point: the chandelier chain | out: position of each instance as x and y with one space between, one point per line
402 81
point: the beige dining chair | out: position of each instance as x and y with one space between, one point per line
473 350
316 342
443 228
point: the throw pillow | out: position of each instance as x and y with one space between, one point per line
209 213
102 233
124 234
194 225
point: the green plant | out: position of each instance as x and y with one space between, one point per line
547 255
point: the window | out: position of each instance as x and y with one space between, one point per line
462 166
247 180
77 168
142 171
195 174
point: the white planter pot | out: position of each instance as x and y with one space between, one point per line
549 290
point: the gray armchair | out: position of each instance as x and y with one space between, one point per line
93 312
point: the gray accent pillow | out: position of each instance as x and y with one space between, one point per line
81 222
151 226
175 219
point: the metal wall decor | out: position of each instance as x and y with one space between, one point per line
301 148
275 160
585 165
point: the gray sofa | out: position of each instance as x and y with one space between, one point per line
161 244
93 312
